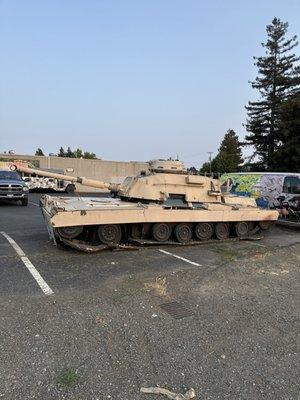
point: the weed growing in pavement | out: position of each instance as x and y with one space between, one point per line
226 254
67 378
159 287
259 253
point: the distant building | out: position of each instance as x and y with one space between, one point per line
97 169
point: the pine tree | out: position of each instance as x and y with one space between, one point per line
39 152
207 168
278 79
287 157
229 157
78 153
61 152
69 153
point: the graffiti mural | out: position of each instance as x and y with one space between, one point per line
264 187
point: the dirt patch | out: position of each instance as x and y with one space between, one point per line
158 287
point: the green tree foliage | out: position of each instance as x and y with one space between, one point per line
229 157
78 153
89 155
205 169
287 158
39 152
61 152
69 153
278 79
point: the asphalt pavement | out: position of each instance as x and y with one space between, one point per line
93 326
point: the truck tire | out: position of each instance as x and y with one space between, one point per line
70 189
24 202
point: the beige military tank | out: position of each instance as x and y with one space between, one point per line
164 204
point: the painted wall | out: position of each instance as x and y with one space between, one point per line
264 187
107 171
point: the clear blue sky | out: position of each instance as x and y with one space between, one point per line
130 79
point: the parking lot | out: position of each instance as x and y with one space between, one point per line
94 326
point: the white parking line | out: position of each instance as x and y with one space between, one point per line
180 258
31 268
34 204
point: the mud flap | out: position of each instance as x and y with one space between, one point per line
49 226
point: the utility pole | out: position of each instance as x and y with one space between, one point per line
210 153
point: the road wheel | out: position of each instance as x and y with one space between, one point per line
241 228
70 232
161 232
222 230
110 234
24 202
264 225
183 233
70 189
204 230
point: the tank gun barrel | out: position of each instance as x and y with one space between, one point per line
47 174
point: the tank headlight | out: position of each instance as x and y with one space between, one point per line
25 189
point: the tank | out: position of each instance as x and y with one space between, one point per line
162 205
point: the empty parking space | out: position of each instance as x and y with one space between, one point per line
28 264
15 278
67 270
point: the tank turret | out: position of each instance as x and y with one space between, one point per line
168 181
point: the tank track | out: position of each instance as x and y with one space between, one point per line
286 223
133 244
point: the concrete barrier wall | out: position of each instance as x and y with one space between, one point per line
100 170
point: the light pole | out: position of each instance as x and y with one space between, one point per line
210 153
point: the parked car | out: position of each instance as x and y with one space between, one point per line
12 187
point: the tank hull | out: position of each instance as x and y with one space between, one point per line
65 212
136 220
